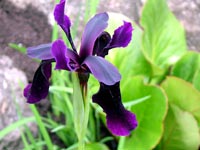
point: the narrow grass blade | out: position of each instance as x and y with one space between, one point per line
15 125
42 128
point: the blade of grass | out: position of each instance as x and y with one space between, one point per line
25 142
42 128
18 47
91 8
40 143
94 4
15 125
56 88
31 137
27 132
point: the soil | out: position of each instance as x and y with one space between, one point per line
30 27
22 26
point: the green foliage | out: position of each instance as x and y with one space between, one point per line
156 52
160 84
42 128
183 94
188 68
181 130
132 55
163 34
15 125
150 113
18 47
92 146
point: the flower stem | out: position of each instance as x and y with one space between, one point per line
81 106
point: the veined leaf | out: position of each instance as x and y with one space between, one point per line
188 68
183 94
150 114
164 38
181 130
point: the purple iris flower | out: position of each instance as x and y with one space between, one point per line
95 45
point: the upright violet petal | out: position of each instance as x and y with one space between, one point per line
62 19
65 58
92 30
42 52
122 36
119 120
104 71
39 88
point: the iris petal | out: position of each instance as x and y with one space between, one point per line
102 70
38 90
92 30
65 58
119 120
42 52
122 36
100 44
62 19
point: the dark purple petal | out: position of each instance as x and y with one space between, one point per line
119 120
38 90
93 29
62 19
42 52
101 42
102 70
65 58
122 36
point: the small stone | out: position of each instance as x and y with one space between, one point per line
12 102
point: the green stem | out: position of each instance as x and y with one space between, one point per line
81 106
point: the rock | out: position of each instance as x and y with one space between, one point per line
188 12
12 102
44 6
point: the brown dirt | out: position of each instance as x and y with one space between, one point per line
22 26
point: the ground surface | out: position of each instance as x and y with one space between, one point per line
26 22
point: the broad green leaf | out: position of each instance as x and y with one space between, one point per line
164 38
183 94
150 114
196 79
188 68
181 131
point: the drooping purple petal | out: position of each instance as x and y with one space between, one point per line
102 70
38 90
119 120
100 44
122 36
93 29
42 52
65 58
62 19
